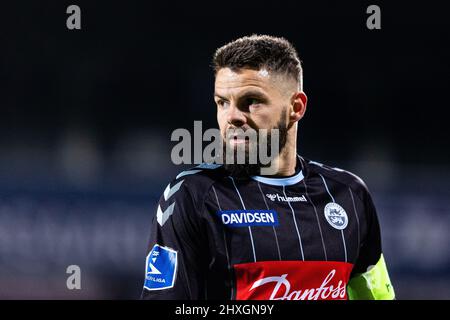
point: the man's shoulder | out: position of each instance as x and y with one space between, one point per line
186 192
196 181
341 176
202 174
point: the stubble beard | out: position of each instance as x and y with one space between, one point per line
247 169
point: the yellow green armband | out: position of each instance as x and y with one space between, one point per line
372 285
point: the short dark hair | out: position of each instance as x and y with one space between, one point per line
260 51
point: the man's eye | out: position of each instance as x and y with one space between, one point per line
222 103
252 101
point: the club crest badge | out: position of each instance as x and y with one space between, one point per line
336 216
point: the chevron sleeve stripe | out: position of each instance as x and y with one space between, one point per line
173 251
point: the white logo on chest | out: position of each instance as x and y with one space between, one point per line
277 197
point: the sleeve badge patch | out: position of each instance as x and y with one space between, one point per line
161 268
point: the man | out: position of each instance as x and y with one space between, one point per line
308 232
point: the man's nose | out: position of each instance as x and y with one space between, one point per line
235 116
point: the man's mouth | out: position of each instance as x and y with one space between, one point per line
235 140
238 140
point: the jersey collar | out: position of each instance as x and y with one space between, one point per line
281 181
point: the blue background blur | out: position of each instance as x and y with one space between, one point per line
86 118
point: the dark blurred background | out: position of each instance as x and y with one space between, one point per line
86 117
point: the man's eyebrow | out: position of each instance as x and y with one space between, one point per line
253 93
246 94
219 96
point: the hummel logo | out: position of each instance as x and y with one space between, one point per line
277 197
271 196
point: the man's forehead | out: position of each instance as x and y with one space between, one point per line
227 79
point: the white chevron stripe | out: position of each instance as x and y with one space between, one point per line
185 173
162 216
170 191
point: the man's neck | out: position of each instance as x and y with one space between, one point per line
286 165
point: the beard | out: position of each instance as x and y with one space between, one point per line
247 169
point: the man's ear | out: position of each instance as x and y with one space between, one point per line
298 106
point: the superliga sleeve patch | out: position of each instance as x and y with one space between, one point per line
161 268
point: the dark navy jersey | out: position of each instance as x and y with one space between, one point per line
293 238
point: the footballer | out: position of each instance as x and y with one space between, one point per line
227 232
